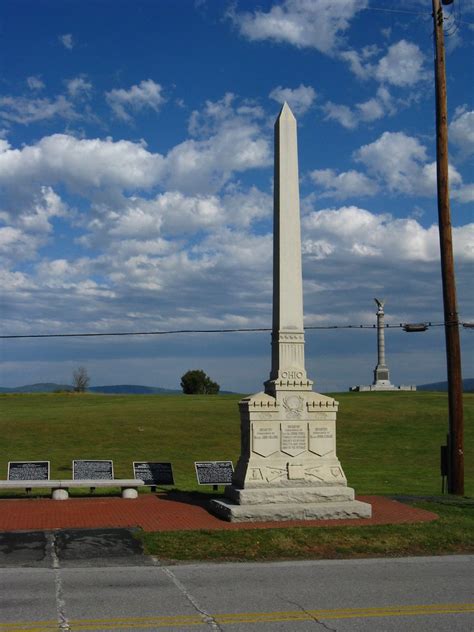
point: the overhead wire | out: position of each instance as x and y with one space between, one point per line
428 14
168 332
387 10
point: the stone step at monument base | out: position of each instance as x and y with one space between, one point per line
231 511
268 495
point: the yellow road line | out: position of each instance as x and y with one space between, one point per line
242 617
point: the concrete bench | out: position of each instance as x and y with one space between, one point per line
60 488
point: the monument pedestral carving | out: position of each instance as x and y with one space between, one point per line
288 467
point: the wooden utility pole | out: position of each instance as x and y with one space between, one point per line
453 347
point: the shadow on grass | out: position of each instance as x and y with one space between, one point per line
454 501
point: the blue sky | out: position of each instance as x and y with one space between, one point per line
136 152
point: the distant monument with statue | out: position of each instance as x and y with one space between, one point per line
381 373
288 467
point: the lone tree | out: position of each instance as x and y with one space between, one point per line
80 379
196 382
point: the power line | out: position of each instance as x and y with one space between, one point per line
385 10
408 12
169 332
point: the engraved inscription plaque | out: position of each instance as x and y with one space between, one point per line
153 473
92 469
28 470
294 438
265 438
321 438
214 472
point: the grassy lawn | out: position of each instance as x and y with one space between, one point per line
452 533
62 427
388 443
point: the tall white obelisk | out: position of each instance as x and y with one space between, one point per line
288 468
288 330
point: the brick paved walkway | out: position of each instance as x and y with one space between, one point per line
168 512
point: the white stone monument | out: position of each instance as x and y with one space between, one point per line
288 468
381 373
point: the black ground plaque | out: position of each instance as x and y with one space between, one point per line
90 470
28 471
153 473
214 472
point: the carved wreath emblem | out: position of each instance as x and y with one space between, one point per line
294 406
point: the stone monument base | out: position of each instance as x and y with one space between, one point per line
288 468
290 503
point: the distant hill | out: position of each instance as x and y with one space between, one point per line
41 387
138 389
51 387
132 389
468 386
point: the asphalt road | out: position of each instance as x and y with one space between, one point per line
83 580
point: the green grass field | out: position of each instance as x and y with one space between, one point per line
388 443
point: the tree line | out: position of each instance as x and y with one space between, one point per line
194 382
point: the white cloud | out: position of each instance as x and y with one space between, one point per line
175 215
359 61
464 194
232 139
162 225
229 139
318 24
29 226
147 94
299 99
82 165
194 254
370 110
207 165
461 131
349 232
344 185
243 207
67 41
402 66
395 161
396 158
14 242
35 82
365 112
120 213
340 113
208 121
400 163
171 213
70 106
24 111
78 86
